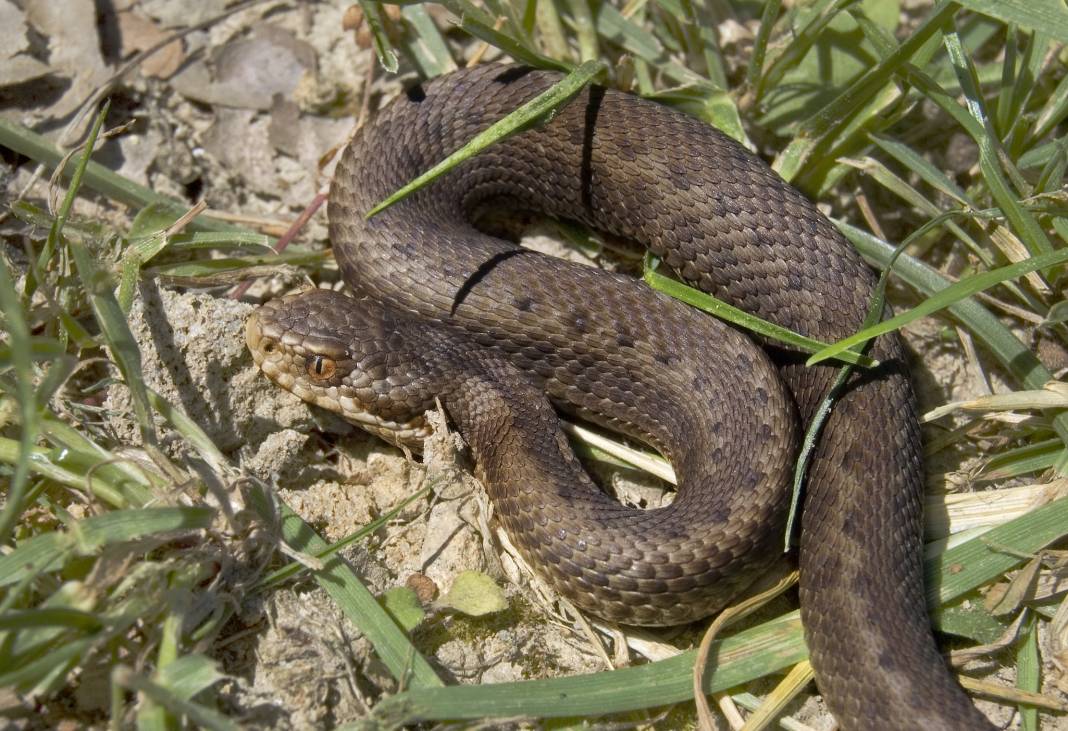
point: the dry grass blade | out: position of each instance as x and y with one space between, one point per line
724 619
795 681
1053 396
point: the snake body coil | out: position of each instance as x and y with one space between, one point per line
444 310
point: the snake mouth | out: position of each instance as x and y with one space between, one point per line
265 337
254 338
262 338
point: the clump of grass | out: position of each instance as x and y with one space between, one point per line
853 107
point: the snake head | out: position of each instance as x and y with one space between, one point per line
296 343
344 355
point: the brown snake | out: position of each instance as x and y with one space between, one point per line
444 310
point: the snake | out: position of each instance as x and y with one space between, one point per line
443 309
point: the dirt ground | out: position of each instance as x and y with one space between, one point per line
242 114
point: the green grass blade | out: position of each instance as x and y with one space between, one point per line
821 13
861 92
47 551
359 605
391 644
722 310
292 569
206 272
973 563
1054 111
925 169
644 45
631 37
387 57
1047 16
876 306
702 42
1052 176
1033 63
588 41
760 43
1040 156
188 675
71 467
1004 107
480 24
1028 459
428 48
750 654
551 30
1016 357
38 674
950 295
98 289
151 233
132 260
191 431
50 617
142 249
881 174
990 162
1028 671
508 17
97 177
40 348
137 481
945 99
809 442
529 113
20 352
706 102
200 716
240 240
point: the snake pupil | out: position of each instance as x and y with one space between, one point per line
320 367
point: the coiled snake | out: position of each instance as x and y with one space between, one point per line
440 309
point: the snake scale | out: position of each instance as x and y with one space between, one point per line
441 309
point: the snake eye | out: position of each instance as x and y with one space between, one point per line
267 346
320 368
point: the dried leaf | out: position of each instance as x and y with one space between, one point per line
1019 590
17 65
73 48
1058 643
248 72
138 33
